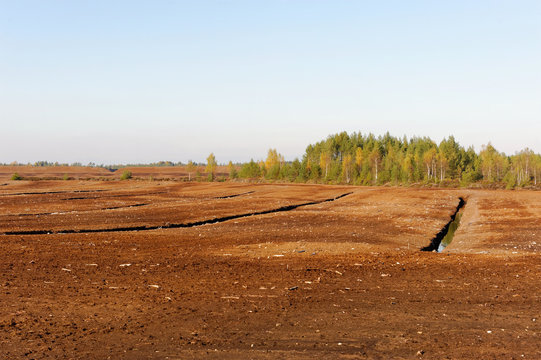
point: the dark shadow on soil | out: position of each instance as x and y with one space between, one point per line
234 195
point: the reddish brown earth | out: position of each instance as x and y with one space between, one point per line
340 279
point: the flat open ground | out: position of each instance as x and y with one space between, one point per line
149 269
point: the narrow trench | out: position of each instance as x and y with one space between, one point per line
446 234
173 226
124 206
234 195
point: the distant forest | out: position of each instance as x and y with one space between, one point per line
369 160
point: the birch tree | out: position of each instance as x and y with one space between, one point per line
325 162
190 168
375 159
347 165
211 167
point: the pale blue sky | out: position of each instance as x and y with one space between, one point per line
143 81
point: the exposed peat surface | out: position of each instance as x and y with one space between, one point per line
171 226
267 271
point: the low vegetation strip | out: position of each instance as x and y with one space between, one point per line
174 226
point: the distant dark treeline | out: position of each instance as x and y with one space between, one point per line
369 160
92 164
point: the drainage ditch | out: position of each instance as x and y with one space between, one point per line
446 234
172 226
234 195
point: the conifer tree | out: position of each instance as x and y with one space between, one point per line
387 158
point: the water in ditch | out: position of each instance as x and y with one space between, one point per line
453 226
445 236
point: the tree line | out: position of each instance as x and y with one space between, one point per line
369 160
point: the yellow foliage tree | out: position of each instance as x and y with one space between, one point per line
359 158
375 158
232 170
273 158
347 164
211 167
190 168
325 161
273 164
429 159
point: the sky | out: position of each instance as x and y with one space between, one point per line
111 82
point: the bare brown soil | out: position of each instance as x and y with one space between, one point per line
334 273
